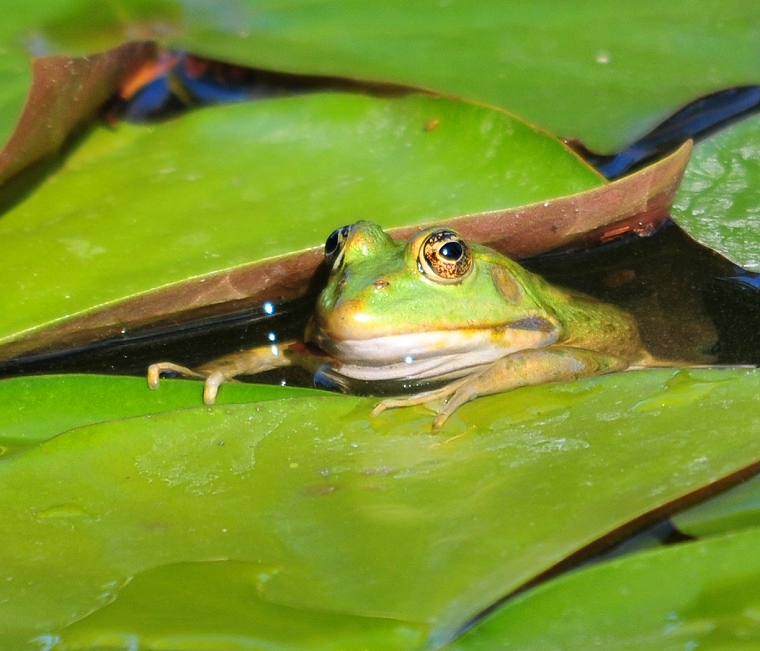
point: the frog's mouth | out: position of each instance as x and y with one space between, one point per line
443 354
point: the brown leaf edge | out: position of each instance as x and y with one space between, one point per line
66 93
634 203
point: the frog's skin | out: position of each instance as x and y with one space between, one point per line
438 308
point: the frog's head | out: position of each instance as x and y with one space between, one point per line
431 307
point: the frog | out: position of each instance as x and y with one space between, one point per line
440 311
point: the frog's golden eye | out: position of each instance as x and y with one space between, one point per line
445 257
335 246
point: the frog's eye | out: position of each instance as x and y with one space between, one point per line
445 257
335 246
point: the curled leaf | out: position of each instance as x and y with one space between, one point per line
634 203
134 210
66 93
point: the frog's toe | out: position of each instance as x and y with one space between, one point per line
392 403
154 376
211 388
464 394
448 391
440 420
155 371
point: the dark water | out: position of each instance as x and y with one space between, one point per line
689 301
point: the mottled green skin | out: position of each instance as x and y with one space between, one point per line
380 290
484 328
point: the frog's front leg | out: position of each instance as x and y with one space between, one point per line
524 368
247 362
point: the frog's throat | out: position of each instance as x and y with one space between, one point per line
428 355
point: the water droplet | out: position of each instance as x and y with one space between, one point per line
602 56
272 336
409 359
269 307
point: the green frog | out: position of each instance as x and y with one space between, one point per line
437 308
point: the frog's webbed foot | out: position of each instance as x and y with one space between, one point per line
555 364
213 379
449 391
246 362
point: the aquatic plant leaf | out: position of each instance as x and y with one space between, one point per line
602 73
19 37
37 408
605 75
136 209
358 515
55 73
636 203
717 203
738 508
700 595
219 607
65 94
15 79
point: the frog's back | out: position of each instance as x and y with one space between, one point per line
590 323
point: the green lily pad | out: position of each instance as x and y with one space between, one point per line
17 38
218 607
635 203
15 80
138 208
738 508
361 516
38 408
600 72
699 595
717 202
574 69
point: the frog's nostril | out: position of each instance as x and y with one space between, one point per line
381 284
